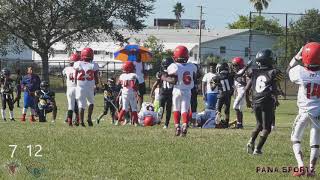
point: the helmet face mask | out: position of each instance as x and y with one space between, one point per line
237 63
5 72
222 67
44 85
166 63
265 58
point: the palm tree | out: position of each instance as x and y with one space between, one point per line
178 9
259 5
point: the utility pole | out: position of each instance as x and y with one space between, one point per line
200 33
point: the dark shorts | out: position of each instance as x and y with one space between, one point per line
264 115
142 88
224 100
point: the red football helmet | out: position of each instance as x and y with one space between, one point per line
75 57
128 67
87 54
238 61
311 55
148 121
181 54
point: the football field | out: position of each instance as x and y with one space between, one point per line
106 151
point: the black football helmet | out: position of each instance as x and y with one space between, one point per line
166 63
5 72
44 85
222 67
265 58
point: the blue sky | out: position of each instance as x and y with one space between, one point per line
219 13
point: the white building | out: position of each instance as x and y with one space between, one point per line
225 43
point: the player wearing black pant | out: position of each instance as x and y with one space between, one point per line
6 84
263 83
46 102
165 91
18 88
224 81
111 91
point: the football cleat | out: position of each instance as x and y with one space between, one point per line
257 152
311 173
12 119
239 126
184 131
250 148
178 131
82 124
90 123
165 127
4 119
32 119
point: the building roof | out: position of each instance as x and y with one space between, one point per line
170 38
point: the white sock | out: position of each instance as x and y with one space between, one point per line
314 155
24 111
3 113
11 114
298 153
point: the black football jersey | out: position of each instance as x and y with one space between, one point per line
263 85
111 92
6 86
46 96
225 83
165 87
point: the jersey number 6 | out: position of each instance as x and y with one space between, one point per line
261 84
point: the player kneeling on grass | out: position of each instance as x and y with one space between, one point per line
182 75
304 70
223 80
129 83
46 102
111 91
148 116
6 92
263 81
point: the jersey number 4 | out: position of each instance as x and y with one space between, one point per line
313 89
82 73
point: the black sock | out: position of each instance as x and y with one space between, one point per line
262 140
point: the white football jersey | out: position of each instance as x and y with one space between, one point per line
86 71
69 73
185 74
309 89
128 82
208 78
139 71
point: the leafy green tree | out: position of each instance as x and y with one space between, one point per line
301 31
258 23
40 24
178 10
157 50
259 5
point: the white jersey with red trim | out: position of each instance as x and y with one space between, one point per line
85 73
128 82
309 89
185 73
69 73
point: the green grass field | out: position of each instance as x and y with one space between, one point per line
106 151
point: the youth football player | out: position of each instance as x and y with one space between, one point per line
304 70
6 92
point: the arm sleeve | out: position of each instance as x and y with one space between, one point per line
172 69
204 79
294 75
